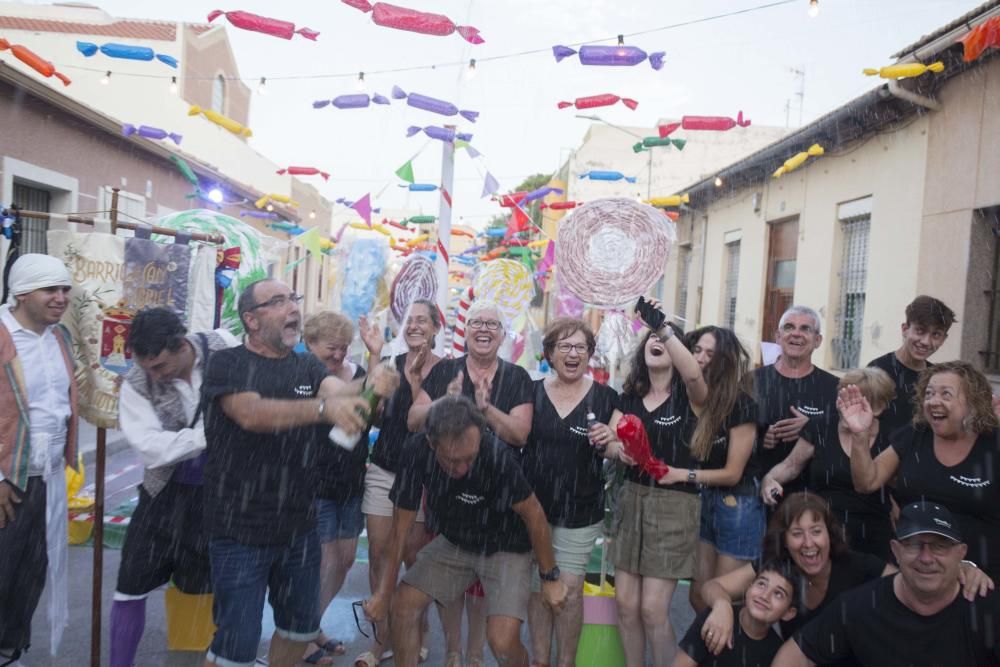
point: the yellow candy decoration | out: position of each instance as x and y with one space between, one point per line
281 199
672 200
539 244
221 121
900 71
417 240
796 160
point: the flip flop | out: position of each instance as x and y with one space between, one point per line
316 656
334 647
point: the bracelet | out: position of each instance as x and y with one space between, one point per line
970 564
670 332
322 407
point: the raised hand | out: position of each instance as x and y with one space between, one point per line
415 362
371 336
455 386
483 392
854 409
385 379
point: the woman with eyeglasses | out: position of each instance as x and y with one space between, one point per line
564 462
655 527
950 454
421 324
504 393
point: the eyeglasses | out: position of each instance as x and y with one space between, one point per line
804 329
938 548
279 300
357 621
492 325
579 348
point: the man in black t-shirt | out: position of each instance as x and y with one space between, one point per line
916 617
925 330
792 392
267 410
489 521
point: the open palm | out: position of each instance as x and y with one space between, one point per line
854 409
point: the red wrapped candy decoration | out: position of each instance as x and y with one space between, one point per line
268 26
633 435
402 18
304 171
605 100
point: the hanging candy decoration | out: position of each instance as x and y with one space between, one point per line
149 132
561 205
610 251
417 240
126 52
604 100
633 435
462 232
440 133
272 197
980 38
416 280
420 187
507 283
651 142
705 123
495 232
901 71
432 104
420 220
397 225
672 200
221 121
264 215
673 215
185 170
304 171
352 101
597 175
268 26
401 18
612 56
794 162
541 192
33 60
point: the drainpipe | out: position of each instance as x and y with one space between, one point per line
899 92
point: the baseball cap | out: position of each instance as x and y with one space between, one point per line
926 517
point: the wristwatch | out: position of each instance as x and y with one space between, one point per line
551 575
691 476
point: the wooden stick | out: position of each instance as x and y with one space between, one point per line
83 220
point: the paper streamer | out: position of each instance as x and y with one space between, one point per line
609 251
415 280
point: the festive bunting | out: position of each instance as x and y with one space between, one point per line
221 121
445 134
126 52
705 123
401 18
432 104
796 161
352 101
604 100
33 60
149 132
310 240
901 71
304 171
364 208
597 175
980 38
406 172
490 185
268 26
613 56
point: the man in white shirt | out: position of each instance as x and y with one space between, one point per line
38 420
158 412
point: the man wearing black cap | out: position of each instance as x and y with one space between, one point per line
916 617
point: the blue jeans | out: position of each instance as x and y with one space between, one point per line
733 524
339 521
241 574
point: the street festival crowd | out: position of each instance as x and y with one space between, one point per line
819 520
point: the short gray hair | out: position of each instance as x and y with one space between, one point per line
246 301
450 416
801 310
483 305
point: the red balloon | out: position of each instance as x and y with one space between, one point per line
605 100
633 435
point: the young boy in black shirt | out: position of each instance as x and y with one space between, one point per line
770 598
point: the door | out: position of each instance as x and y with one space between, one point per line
780 292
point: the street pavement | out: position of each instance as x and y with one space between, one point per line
124 474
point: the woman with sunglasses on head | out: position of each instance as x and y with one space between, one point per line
655 528
504 393
564 462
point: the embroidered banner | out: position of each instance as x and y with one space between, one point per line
156 275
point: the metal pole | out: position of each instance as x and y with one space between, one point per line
444 224
83 220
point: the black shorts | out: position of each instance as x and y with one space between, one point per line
165 540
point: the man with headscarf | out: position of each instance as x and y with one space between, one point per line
38 424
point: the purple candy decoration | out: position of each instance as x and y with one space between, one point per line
149 132
561 52
539 193
352 101
613 56
259 214
432 104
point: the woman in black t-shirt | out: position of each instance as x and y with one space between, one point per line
564 463
655 527
863 516
732 515
421 323
950 454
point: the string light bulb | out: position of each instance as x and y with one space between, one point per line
360 84
813 8
470 72
718 181
262 86
312 215
173 85
270 208
106 79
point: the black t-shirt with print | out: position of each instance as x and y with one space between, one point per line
746 651
970 490
392 429
473 512
744 412
260 487
562 466
829 475
899 412
814 395
341 473
669 428
880 631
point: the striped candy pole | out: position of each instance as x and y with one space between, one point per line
458 342
444 226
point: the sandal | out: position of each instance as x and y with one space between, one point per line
424 654
454 659
366 659
318 657
334 647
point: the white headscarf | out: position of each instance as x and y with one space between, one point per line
35 271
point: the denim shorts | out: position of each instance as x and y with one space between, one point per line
241 574
733 524
338 521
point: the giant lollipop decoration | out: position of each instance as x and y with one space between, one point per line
507 283
609 251
415 280
402 18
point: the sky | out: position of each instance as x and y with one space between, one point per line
716 67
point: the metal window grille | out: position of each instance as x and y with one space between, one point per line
219 95
992 352
732 279
33 237
853 283
684 264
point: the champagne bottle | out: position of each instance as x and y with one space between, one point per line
350 441
591 420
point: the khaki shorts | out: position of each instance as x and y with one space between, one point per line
655 531
443 571
378 483
573 547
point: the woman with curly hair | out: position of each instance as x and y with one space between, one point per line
950 454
